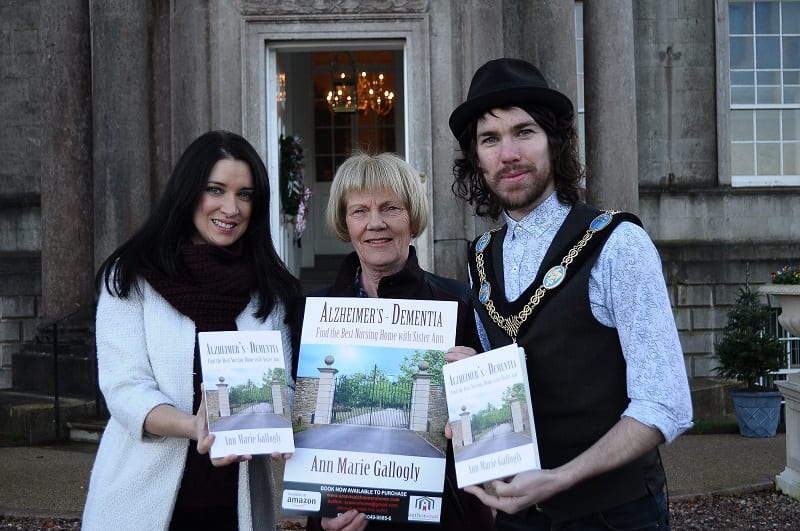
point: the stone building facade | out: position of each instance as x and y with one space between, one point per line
98 98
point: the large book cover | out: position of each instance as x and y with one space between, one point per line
369 409
246 392
491 416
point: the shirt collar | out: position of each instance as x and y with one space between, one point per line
357 287
551 213
406 283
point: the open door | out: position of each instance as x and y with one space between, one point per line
282 229
370 117
370 124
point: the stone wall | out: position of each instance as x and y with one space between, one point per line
21 86
704 281
305 401
676 93
710 240
19 304
437 409
212 404
20 89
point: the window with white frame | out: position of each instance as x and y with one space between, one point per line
764 38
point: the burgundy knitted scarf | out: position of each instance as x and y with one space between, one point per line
215 288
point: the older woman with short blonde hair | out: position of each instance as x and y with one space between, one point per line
369 173
379 204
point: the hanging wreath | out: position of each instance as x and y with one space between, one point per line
291 174
294 193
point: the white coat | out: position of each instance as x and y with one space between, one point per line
145 353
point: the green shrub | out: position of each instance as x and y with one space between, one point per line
746 351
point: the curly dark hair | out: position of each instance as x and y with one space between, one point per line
567 170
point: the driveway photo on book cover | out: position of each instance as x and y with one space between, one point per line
246 392
369 409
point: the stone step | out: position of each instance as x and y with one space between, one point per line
33 371
325 267
30 418
5 377
322 274
86 430
711 401
327 262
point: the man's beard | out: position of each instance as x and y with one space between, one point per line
534 191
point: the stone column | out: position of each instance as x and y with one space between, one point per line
466 426
420 398
190 72
327 385
458 436
555 54
788 481
121 94
612 172
67 213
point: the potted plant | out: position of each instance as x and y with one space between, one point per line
747 352
785 287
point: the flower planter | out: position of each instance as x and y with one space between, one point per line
788 297
788 481
758 413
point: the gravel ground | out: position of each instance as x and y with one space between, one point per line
758 510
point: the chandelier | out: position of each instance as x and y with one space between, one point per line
373 95
343 98
351 93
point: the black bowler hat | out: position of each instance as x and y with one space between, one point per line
506 82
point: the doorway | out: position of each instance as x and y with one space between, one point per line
338 98
282 57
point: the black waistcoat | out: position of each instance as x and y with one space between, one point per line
575 367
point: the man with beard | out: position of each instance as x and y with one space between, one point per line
583 292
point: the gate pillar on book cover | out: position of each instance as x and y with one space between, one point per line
420 398
518 415
327 384
277 397
466 426
223 399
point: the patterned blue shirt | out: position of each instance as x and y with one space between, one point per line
626 292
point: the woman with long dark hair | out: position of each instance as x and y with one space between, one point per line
203 261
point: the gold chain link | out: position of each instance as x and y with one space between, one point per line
513 323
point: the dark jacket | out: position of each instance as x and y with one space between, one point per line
460 511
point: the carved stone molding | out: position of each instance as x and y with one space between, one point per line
332 7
